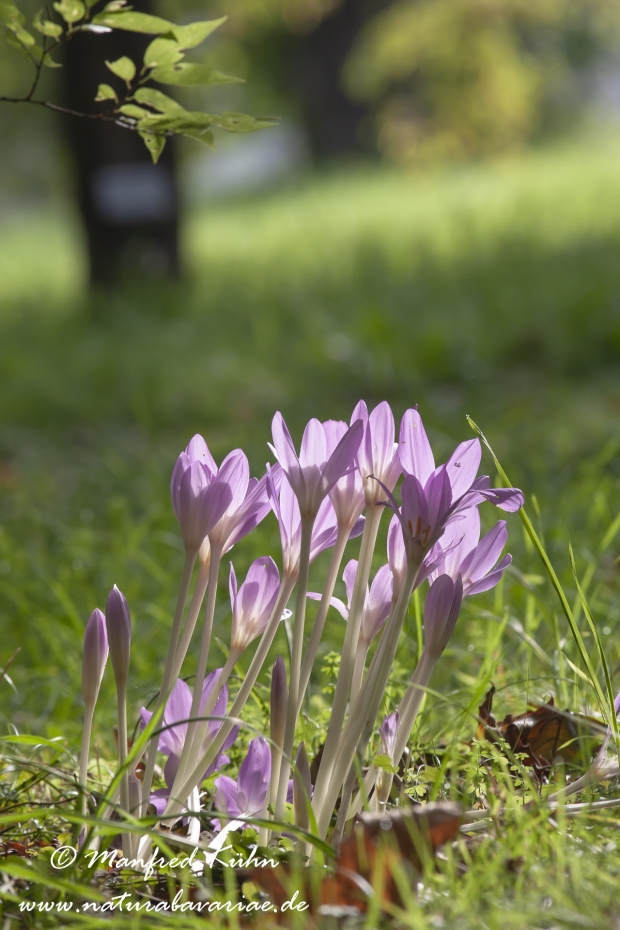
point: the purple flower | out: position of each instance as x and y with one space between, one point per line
397 556
95 656
388 731
174 731
314 473
474 559
461 468
118 628
377 601
378 453
347 495
324 530
253 603
249 503
432 498
441 611
245 797
200 494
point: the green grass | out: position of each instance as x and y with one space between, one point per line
492 290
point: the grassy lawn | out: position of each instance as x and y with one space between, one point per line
489 290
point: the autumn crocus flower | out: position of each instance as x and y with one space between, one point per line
387 732
378 452
174 732
118 628
426 510
376 603
245 797
93 666
95 656
474 559
313 473
253 603
200 494
347 495
324 530
441 611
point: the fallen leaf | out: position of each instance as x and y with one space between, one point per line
373 855
542 733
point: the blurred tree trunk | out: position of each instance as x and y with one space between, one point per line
129 206
332 119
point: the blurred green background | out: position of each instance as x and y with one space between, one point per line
437 221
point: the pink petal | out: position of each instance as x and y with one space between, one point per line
198 451
348 576
489 581
414 449
313 451
482 559
382 432
343 458
463 465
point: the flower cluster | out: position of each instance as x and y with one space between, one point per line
336 488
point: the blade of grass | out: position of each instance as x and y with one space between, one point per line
555 581
613 721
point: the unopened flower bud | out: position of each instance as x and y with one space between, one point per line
279 702
441 611
95 656
118 625
387 732
302 788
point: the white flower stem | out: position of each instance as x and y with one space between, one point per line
349 648
192 614
319 623
358 727
207 710
264 833
298 642
167 680
121 693
201 668
89 711
410 703
586 781
248 683
408 712
358 669
358 801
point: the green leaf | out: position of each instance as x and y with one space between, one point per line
186 74
162 53
70 10
157 100
206 136
105 92
154 143
45 26
130 109
123 68
241 122
385 763
192 35
10 14
133 22
17 44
